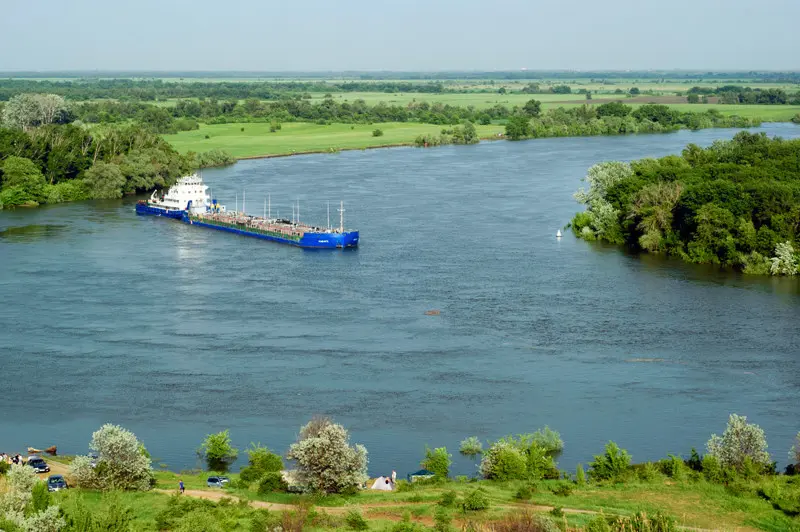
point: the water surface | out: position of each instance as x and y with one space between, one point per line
175 332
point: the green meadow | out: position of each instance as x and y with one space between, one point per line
255 139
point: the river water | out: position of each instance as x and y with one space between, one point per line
175 331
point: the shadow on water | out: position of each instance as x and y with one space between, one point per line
32 233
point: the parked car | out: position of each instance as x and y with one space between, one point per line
56 483
217 482
38 465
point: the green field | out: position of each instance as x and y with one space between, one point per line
301 137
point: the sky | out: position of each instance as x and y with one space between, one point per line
404 35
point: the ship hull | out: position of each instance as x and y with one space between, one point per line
148 210
345 240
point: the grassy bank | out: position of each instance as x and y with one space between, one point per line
255 139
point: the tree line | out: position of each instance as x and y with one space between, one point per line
613 118
43 160
737 94
735 204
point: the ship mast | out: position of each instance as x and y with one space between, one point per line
341 217
265 208
237 203
329 216
269 206
244 194
298 211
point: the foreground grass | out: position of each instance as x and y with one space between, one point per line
301 137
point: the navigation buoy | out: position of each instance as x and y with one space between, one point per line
558 233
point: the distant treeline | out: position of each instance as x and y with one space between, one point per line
612 118
736 94
736 204
168 119
152 90
753 75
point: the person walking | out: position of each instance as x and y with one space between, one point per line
181 486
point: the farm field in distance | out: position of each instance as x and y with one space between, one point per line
299 137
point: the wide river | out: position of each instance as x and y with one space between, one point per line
175 331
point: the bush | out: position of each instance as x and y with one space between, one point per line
503 462
105 180
471 447
4 467
562 489
647 472
557 512
377 132
549 440
475 501
211 158
741 440
612 465
672 466
437 461
326 462
448 499
355 521
442 520
218 452
525 521
260 460
580 475
123 463
272 482
524 493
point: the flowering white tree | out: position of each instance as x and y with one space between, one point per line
741 440
794 454
326 461
784 261
29 110
601 177
123 462
17 499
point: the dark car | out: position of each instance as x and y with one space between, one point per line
217 482
39 465
56 483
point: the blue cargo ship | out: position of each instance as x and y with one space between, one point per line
289 232
188 201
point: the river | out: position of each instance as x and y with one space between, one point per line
174 331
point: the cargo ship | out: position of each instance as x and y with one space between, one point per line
187 200
291 232
188 189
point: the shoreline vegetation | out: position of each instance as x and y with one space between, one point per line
104 138
517 487
735 204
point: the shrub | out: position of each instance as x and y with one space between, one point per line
475 501
325 460
207 137
123 462
557 512
4 467
562 489
647 472
672 466
272 482
355 521
525 521
503 462
448 499
377 132
260 460
442 520
548 439
471 447
211 158
105 180
580 475
740 440
611 465
437 461
524 493
217 451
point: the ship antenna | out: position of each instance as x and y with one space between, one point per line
298 211
237 203
265 208
244 195
329 216
341 217
269 206
292 212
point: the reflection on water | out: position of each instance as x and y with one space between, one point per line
31 233
176 331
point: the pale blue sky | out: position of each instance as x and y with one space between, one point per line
398 34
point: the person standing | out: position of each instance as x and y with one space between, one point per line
394 476
181 486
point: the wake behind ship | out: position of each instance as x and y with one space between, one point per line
187 200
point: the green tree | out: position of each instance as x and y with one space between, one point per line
634 91
260 461
218 452
693 98
740 443
22 181
105 180
437 461
613 109
532 108
611 465
518 127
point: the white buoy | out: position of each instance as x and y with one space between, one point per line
558 233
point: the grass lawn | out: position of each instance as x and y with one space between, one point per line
299 137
